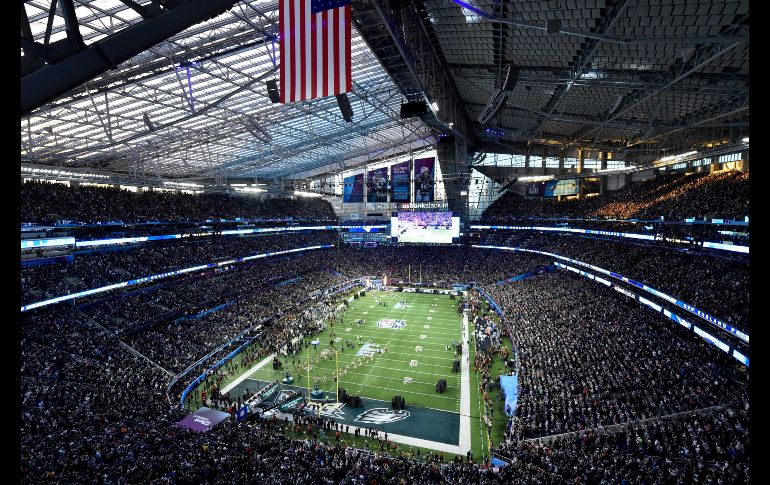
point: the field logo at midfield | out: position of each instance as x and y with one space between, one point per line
390 323
381 416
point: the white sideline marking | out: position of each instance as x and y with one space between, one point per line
246 374
465 393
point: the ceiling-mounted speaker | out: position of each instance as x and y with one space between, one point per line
552 26
345 109
493 106
272 91
509 181
414 109
148 122
616 104
511 77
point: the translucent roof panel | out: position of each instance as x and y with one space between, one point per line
185 108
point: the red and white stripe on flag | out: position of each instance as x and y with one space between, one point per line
315 48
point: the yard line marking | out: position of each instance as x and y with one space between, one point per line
402 390
414 372
391 338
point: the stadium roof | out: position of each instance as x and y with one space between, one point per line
200 89
605 74
617 72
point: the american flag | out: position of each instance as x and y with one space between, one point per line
315 48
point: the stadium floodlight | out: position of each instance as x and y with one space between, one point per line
745 140
536 178
182 184
307 194
677 157
249 189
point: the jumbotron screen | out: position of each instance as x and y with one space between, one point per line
425 227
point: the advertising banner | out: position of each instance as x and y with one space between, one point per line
203 419
377 185
399 175
354 188
423 179
535 190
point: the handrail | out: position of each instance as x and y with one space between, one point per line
611 428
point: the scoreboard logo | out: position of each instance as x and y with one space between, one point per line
390 323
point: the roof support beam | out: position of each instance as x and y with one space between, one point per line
56 79
147 12
582 63
49 25
703 57
408 54
71 24
602 37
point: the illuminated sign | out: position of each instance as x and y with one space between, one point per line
741 358
703 334
47 243
424 205
711 339
159 276
695 311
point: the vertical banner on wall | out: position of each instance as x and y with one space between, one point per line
377 185
354 188
423 179
399 176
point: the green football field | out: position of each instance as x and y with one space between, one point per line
415 359
427 235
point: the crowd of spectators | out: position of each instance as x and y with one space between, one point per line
591 364
179 343
715 283
599 359
675 197
438 266
48 203
712 282
699 447
679 233
92 269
